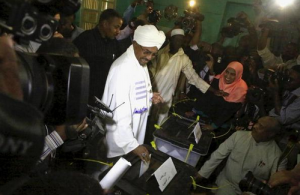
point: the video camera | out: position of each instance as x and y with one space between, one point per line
56 85
33 20
281 76
234 27
187 22
250 184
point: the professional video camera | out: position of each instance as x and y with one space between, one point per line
187 22
56 85
33 20
250 184
234 27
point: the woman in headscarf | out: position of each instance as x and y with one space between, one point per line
220 109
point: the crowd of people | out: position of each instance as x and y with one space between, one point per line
139 71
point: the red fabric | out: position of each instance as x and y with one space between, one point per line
238 89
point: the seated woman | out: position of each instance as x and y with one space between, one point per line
217 108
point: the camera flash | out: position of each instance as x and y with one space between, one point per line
192 3
284 3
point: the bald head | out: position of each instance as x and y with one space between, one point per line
273 124
265 129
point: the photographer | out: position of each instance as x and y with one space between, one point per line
286 99
127 16
254 151
287 58
247 42
291 177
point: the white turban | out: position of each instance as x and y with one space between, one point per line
177 32
149 36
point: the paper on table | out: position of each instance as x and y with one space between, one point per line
197 132
165 173
144 166
115 173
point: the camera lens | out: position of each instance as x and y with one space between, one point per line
28 25
250 184
46 32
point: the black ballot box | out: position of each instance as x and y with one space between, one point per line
175 137
132 184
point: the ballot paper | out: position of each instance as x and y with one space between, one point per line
197 132
115 173
165 173
145 166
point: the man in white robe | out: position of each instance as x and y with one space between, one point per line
166 69
128 90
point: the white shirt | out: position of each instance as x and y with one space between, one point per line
244 154
270 60
127 86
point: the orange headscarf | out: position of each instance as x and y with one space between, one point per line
238 89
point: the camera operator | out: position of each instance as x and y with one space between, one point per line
146 16
286 99
287 58
246 42
254 151
291 177
67 28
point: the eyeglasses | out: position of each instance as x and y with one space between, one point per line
147 52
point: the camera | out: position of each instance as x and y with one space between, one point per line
33 20
255 94
154 16
234 27
250 184
281 76
56 85
187 22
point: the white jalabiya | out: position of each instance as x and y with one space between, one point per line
128 86
166 71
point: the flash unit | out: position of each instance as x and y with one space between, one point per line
192 3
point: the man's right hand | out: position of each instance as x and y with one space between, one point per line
142 152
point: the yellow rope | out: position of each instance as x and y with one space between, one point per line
216 137
176 115
96 161
208 188
198 118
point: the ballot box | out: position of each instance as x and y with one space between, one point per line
175 137
134 184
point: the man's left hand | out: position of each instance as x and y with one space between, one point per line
157 98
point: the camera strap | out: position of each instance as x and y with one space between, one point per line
288 149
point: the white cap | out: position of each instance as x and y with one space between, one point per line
177 32
149 36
